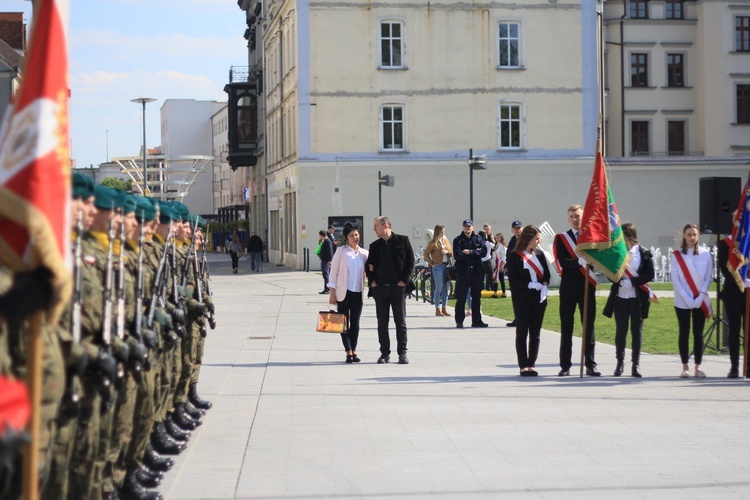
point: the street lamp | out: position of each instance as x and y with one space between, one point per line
143 101
475 163
383 180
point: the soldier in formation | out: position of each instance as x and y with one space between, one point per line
120 370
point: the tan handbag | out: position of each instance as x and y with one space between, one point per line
331 322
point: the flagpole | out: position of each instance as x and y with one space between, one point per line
747 332
585 317
34 381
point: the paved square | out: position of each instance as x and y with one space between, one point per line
292 420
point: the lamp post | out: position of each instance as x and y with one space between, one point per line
383 180
143 101
475 163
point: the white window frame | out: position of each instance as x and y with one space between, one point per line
382 124
402 23
520 64
521 122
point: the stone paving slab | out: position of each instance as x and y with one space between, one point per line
292 420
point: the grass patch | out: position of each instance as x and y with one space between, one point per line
659 329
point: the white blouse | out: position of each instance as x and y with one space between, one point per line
701 267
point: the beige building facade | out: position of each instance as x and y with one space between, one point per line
352 91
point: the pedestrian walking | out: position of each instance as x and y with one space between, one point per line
255 249
234 252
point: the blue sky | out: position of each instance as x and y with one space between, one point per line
123 49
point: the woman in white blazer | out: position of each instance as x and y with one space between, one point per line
346 283
692 270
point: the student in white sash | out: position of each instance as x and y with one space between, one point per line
529 276
629 300
692 269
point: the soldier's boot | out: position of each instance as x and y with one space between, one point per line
132 490
154 461
182 420
199 403
164 444
192 411
147 477
112 495
175 432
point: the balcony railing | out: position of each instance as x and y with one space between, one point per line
666 153
239 74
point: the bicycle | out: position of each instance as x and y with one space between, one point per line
428 287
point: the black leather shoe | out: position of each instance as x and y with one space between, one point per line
355 359
511 324
175 432
619 369
154 461
459 325
192 411
734 372
592 372
402 359
132 490
197 401
164 444
563 373
479 325
146 479
636 372
112 495
383 359
182 420
323 292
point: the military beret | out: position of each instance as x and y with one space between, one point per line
154 203
144 210
108 198
201 222
167 214
182 209
129 206
83 186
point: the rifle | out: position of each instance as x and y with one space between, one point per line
136 358
158 295
179 315
148 337
73 391
107 398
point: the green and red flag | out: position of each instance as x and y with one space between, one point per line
601 242
34 157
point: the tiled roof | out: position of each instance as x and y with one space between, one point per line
10 56
12 29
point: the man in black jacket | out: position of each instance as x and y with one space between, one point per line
388 269
468 250
326 256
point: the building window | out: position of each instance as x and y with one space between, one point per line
742 33
391 44
676 138
509 45
639 70
743 104
392 127
639 9
639 138
511 125
675 9
675 70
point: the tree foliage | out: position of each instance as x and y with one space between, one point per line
115 183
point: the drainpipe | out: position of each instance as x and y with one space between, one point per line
622 77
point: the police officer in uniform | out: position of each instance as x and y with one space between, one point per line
468 250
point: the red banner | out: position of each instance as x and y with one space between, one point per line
34 157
